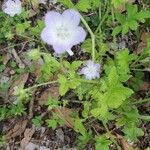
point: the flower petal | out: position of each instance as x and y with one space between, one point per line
72 17
47 36
60 48
53 18
79 36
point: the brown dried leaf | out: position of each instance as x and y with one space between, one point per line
27 137
52 91
6 58
145 86
124 144
143 42
17 130
17 59
19 82
37 70
65 114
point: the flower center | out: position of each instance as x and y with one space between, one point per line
92 70
62 32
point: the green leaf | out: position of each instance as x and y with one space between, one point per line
142 15
115 97
123 60
34 54
87 46
83 5
64 87
133 25
132 132
37 121
75 65
79 127
86 109
132 11
95 3
125 28
102 143
67 3
121 18
116 30
100 111
112 78
52 123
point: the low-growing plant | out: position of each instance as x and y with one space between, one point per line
104 85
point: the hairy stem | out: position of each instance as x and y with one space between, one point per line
92 36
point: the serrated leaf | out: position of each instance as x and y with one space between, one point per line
125 28
87 46
123 59
75 65
79 127
115 97
132 11
112 77
133 132
102 143
63 85
95 3
67 3
133 25
83 5
116 30
142 15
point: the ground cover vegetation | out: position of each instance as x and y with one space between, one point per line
74 74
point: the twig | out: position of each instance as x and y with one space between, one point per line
18 60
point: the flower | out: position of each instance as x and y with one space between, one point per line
62 31
12 7
91 70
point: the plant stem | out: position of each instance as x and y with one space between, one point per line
92 36
52 82
141 101
102 21
144 70
110 135
41 84
113 20
144 117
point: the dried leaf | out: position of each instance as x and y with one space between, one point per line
17 130
65 114
27 137
6 58
53 91
37 70
17 58
143 42
124 144
32 146
145 86
19 82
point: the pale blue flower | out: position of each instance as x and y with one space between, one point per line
91 70
12 7
62 31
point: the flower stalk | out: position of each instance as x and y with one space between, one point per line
92 36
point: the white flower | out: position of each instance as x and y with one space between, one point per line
12 7
91 70
62 31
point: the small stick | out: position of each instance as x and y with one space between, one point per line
18 60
